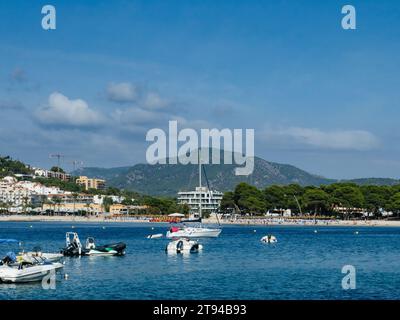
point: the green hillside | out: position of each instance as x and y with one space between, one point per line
8 166
167 179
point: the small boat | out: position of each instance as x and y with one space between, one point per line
192 232
183 245
155 236
269 239
37 252
20 271
74 247
51 257
114 249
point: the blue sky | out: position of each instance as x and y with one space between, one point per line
319 97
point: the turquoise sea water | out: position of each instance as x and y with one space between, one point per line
302 265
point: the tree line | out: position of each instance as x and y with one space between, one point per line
320 200
8 166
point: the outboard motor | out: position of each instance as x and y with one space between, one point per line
195 248
90 243
179 246
73 247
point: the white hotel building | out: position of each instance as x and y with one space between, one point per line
13 193
210 200
18 193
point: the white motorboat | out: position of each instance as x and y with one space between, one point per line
269 239
15 271
51 257
37 252
183 245
195 231
29 273
155 236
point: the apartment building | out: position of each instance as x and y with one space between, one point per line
89 183
52 174
15 194
210 200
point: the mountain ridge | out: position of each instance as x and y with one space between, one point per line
167 180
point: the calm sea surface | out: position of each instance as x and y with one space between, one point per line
302 265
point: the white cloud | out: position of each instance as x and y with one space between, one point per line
138 120
122 92
63 111
359 140
148 109
154 101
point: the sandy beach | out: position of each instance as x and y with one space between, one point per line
242 221
318 223
40 218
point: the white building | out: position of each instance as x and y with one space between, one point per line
13 193
210 200
17 194
39 188
52 174
279 213
99 199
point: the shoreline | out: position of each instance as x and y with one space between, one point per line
320 223
239 222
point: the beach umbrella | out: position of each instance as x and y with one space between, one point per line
176 215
